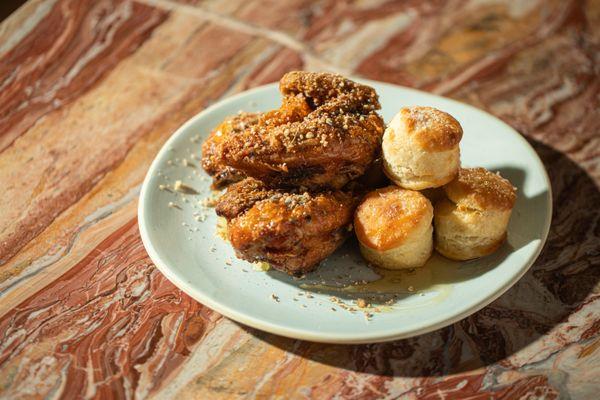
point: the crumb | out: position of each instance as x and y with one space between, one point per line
360 302
274 297
209 201
261 266
183 188
173 205
411 289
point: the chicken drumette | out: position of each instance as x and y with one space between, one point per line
212 149
291 230
326 133
294 108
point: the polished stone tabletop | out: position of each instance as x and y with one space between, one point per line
89 92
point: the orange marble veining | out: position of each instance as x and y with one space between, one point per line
90 90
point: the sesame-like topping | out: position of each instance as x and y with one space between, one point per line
481 189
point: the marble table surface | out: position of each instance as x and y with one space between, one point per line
91 89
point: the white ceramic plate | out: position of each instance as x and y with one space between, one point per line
192 256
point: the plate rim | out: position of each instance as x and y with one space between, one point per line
302 334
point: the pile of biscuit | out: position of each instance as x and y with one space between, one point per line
398 227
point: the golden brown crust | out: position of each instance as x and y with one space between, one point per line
474 252
212 149
293 231
293 108
481 189
334 143
331 90
387 216
433 129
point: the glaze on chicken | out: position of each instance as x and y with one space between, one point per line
326 133
291 230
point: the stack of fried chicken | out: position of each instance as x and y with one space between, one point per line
291 173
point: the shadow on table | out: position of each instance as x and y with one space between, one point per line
556 284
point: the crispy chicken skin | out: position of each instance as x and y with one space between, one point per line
294 108
332 137
291 230
212 149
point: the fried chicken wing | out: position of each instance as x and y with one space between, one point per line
293 230
335 141
294 108
212 149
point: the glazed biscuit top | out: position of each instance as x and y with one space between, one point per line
481 189
388 216
432 129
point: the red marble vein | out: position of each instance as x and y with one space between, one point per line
68 52
113 312
125 315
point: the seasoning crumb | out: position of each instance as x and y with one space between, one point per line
361 303
333 309
411 289
209 201
181 187
173 205
274 297
261 266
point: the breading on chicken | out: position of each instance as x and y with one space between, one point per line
294 108
326 133
291 230
212 149
334 143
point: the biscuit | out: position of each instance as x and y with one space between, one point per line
472 221
420 148
393 226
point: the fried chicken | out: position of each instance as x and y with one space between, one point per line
292 230
212 149
294 108
331 134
